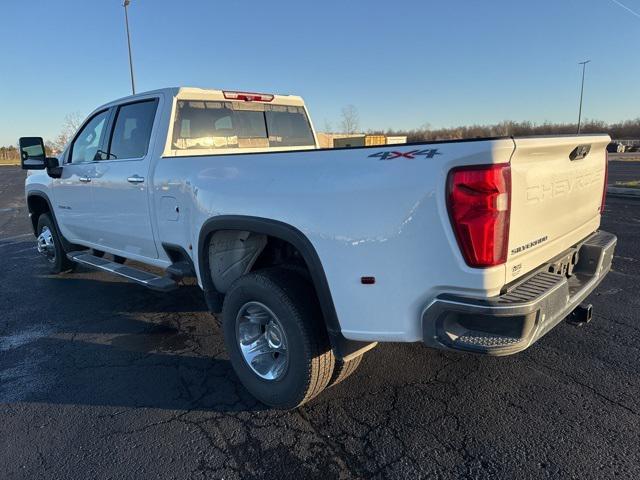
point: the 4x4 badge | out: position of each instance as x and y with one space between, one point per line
391 155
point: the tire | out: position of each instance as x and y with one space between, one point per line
291 301
344 369
55 254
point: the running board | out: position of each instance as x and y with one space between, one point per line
149 280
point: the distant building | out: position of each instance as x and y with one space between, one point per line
341 140
396 139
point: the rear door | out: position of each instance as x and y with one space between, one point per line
73 193
122 219
557 187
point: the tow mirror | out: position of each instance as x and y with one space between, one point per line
32 153
33 156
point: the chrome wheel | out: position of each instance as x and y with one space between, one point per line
262 341
45 244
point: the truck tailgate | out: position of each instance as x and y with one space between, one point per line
556 197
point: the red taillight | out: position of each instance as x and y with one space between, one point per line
479 203
248 96
606 179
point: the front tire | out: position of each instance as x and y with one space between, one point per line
50 246
276 339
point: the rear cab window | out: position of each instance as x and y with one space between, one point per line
203 126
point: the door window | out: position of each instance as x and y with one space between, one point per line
132 130
86 146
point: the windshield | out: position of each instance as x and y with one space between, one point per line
210 125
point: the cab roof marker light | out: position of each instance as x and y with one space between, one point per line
248 96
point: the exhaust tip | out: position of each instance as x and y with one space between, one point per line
582 315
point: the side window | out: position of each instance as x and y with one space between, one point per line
86 145
132 130
288 127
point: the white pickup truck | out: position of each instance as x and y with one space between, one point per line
314 255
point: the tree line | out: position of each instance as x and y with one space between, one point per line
628 129
10 153
70 126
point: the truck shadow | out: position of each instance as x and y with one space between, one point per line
127 295
85 339
126 374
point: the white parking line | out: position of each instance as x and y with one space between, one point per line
16 237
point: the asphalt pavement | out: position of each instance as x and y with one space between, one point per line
623 172
100 378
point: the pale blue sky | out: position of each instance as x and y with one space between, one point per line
401 63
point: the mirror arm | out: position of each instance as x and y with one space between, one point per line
54 170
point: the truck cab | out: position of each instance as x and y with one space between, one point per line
105 194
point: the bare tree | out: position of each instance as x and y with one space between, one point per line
350 120
70 126
327 128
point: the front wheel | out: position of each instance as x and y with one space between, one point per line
275 337
50 246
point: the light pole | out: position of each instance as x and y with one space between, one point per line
126 22
584 65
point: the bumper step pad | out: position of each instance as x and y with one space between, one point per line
511 322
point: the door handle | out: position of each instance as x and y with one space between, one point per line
135 179
84 179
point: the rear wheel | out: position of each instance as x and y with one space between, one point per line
275 337
344 369
50 246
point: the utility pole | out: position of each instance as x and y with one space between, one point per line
126 21
584 65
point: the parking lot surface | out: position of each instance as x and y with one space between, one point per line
623 172
104 379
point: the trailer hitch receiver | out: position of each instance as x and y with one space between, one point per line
582 315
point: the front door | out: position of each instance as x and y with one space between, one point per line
121 217
72 192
